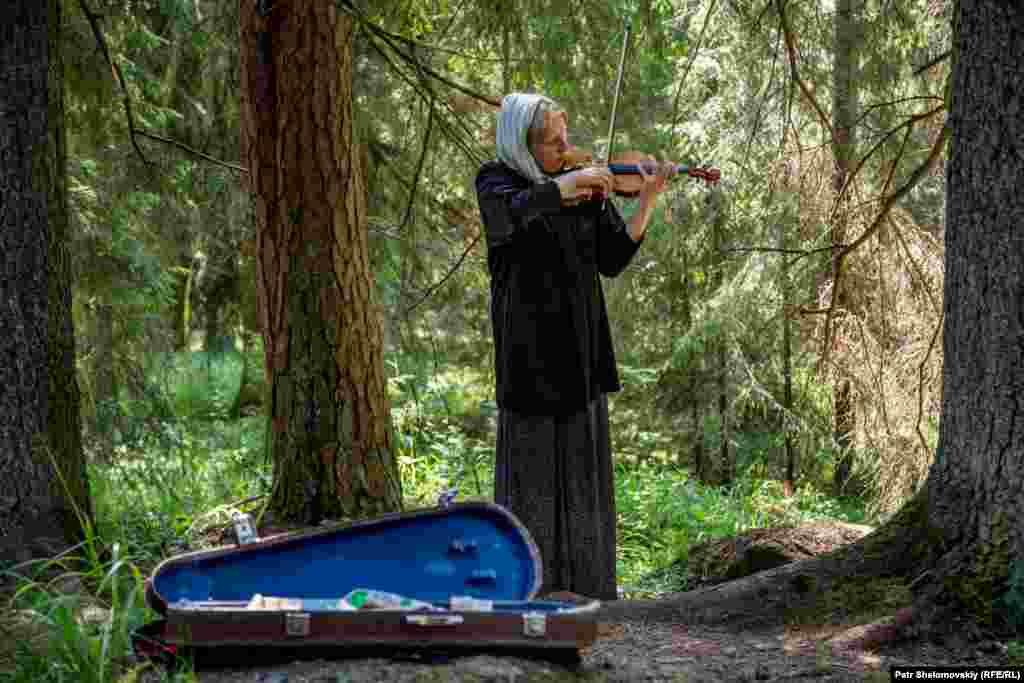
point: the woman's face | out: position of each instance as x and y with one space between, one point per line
549 151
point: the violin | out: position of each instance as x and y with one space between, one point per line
625 168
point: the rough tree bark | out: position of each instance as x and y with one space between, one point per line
954 543
727 465
787 218
329 424
40 424
976 484
844 99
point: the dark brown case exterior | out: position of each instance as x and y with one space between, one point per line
230 625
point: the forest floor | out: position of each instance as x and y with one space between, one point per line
638 643
655 640
630 650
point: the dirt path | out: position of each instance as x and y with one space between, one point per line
630 651
705 636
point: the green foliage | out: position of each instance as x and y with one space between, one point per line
1013 599
1015 650
160 492
663 512
435 452
82 636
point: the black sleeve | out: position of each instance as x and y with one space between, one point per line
616 248
506 207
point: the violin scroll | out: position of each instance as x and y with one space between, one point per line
708 174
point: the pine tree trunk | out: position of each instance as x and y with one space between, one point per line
329 424
726 463
976 484
843 113
41 506
785 221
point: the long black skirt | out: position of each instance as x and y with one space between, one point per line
555 474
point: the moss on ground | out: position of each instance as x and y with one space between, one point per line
852 601
979 588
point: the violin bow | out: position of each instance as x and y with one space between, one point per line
706 173
618 90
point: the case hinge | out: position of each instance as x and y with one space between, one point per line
296 624
535 624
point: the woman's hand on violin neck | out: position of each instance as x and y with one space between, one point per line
655 177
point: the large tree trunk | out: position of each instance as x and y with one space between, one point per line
959 536
329 423
44 498
844 98
976 484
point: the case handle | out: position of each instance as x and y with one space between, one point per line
433 619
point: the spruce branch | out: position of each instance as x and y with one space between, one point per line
888 202
348 7
134 132
791 51
97 32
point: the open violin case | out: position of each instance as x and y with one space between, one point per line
473 564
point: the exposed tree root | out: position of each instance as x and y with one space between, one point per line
871 636
892 584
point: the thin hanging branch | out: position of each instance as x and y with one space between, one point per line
419 169
430 98
93 19
349 8
909 125
791 50
938 60
194 152
760 104
689 65
920 382
437 285
134 132
776 250
887 203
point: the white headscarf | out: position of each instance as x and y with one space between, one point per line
517 111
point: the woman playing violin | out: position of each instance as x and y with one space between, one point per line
549 236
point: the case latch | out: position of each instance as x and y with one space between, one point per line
296 624
245 532
535 625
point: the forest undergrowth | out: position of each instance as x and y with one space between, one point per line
172 482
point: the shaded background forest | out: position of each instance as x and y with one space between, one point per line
731 294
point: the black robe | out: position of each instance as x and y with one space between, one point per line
553 344
554 363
